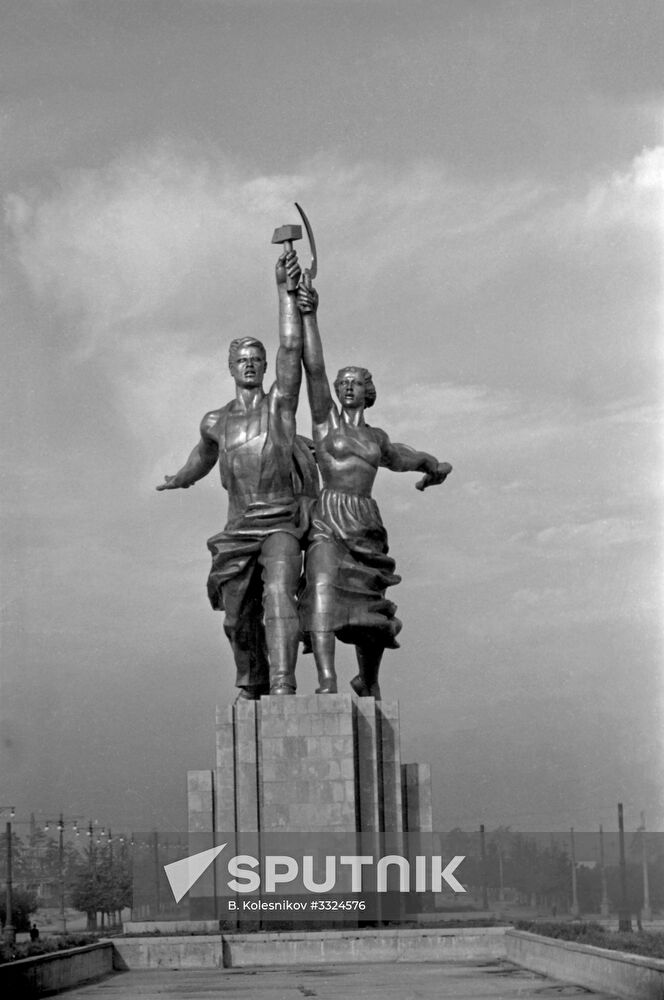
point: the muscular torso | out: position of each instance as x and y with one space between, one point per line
255 449
348 456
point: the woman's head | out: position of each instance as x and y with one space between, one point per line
354 386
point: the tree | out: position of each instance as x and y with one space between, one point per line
24 903
102 884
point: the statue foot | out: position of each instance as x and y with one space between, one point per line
328 687
327 680
362 690
249 694
282 689
359 687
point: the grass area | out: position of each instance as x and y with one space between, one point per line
646 943
44 946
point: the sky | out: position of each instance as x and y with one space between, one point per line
485 180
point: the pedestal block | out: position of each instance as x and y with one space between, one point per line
201 798
416 797
309 764
306 764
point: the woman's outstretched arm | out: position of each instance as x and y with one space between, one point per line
403 458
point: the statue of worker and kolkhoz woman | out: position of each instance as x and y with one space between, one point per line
277 511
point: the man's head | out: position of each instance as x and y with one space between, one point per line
247 362
354 387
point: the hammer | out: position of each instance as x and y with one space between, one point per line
286 235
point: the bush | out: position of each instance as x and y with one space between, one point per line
45 946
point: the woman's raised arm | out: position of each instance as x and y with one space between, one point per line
318 386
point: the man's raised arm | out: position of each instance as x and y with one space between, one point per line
202 458
289 355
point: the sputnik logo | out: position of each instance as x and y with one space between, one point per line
420 874
183 874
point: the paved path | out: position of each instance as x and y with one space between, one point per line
387 981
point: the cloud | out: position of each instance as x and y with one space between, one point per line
165 231
632 413
430 410
630 200
158 259
165 242
529 597
151 264
633 197
147 236
571 538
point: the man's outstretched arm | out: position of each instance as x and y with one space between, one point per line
202 459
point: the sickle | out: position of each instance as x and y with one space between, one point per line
313 269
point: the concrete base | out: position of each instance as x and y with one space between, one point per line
161 952
303 764
43 975
263 949
310 764
629 976
345 947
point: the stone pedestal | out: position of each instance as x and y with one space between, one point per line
310 764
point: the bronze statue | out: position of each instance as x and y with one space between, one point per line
347 564
270 477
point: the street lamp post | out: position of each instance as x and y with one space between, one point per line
624 916
575 898
501 893
10 930
61 862
93 869
157 871
109 841
604 905
646 912
485 891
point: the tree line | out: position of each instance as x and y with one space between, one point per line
535 870
96 878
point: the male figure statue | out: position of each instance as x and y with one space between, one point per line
268 473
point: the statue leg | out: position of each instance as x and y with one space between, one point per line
322 644
321 569
243 626
369 656
281 561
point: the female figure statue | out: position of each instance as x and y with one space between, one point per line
347 564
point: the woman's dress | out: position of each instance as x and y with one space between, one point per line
347 566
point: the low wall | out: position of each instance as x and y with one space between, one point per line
42 975
630 976
310 947
347 946
203 951
167 927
